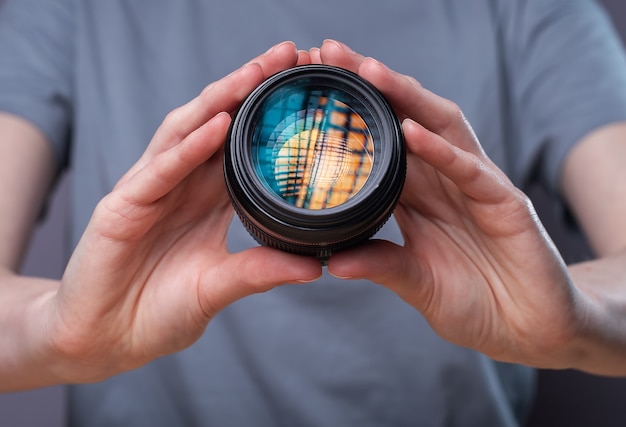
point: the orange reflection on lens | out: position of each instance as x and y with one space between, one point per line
318 169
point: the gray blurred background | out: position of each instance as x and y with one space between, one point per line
565 398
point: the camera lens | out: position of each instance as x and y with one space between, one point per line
315 161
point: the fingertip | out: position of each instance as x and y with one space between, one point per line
375 72
410 126
277 58
297 268
338 54
251 72
285 48
222 122
341 266
309 270
340 276
308 280
373 260
413 134
372 63
281 267
315 55
350 263
223 116
304 58
253 271
210 134
336 45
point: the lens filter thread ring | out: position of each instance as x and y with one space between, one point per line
274 220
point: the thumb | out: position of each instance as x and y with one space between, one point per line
387 264
253 271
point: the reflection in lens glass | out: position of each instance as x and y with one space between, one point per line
312 149
315 161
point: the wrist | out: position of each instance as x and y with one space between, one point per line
600 338
26 360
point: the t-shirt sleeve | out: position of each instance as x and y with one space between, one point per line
567 71
36 66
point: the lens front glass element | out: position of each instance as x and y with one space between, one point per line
312 146
315 161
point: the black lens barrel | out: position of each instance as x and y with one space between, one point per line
280 156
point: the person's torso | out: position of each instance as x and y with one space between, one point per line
331 353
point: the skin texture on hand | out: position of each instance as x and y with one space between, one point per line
152 268
476 261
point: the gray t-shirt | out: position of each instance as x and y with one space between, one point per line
98 76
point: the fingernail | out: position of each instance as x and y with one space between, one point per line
339 45
279 45
305 281
375 62
340 277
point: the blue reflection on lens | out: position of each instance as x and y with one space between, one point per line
311 147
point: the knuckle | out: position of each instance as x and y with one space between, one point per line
172 119
452 117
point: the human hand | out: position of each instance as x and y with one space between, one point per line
476 261
152 268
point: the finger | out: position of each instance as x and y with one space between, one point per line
165 171
475 176
406 94
179 123
253 271
315 55
411 99
376 260
277 58
304 58
382 262
131 210
224 95
338 54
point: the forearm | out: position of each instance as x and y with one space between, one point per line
27 358
600 344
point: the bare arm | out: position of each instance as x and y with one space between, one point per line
22 198
594 183
23 193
